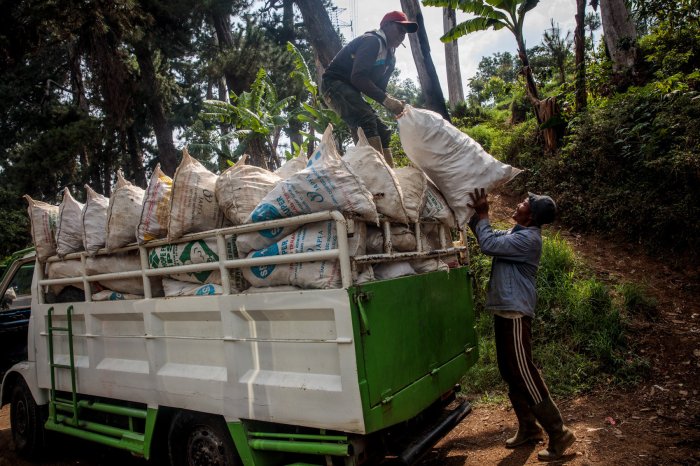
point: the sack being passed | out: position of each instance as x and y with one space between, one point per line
452 160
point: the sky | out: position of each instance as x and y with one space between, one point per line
471 47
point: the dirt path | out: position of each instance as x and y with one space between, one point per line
657 422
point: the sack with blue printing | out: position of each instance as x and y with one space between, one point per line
194 252
319 236
109 295
327 183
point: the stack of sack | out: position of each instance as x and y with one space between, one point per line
446 166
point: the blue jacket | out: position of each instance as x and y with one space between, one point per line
516 256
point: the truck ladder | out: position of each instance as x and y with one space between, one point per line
130 439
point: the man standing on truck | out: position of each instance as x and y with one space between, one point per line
364 66
511 298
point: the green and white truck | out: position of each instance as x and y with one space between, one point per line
362 374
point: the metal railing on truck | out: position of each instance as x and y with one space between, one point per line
344 227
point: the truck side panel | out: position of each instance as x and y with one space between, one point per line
285 357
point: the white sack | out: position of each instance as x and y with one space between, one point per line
241 187
378 177
291 167
69 233
123 262
414 186
326 184
43 218
94 220
319 236
403 239
452 160
429 265
193 204
436 207
178 288
155 213
389 270
194 252
64 269
123 214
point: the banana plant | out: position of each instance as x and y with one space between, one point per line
257 118
493 14
314 112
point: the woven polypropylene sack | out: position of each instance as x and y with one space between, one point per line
156 208
94 221
291 167
327 183
378 177
122 262
43 218
193 252
123 214
241 187
452 160
414 186
436 207
69 232
193 205
319 236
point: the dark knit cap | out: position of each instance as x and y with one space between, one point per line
543 209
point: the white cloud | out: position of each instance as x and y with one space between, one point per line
472 47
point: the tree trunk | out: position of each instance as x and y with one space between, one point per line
620 35
154 101
454 74
580 51
136 157
420 48
544 109
222 27
322 35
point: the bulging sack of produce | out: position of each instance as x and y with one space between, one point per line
436 207
123 214
156 208
327 183
94 221
194 252
402 239
429 265
389 270
178 288
122 262
452 160
64 269
193 204
378 177
69 233
241 187
291 167
43 218
319 236
414 186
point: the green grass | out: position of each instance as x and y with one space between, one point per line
580 331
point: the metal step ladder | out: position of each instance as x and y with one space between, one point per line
69 422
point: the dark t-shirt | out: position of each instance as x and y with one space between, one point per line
365 63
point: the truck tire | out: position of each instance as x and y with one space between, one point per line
27 421
197 439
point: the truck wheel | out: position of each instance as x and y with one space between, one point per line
27 421
197 439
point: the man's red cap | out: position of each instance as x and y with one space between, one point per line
401 18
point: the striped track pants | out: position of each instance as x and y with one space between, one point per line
514 353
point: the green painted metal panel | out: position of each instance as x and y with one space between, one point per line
416 339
